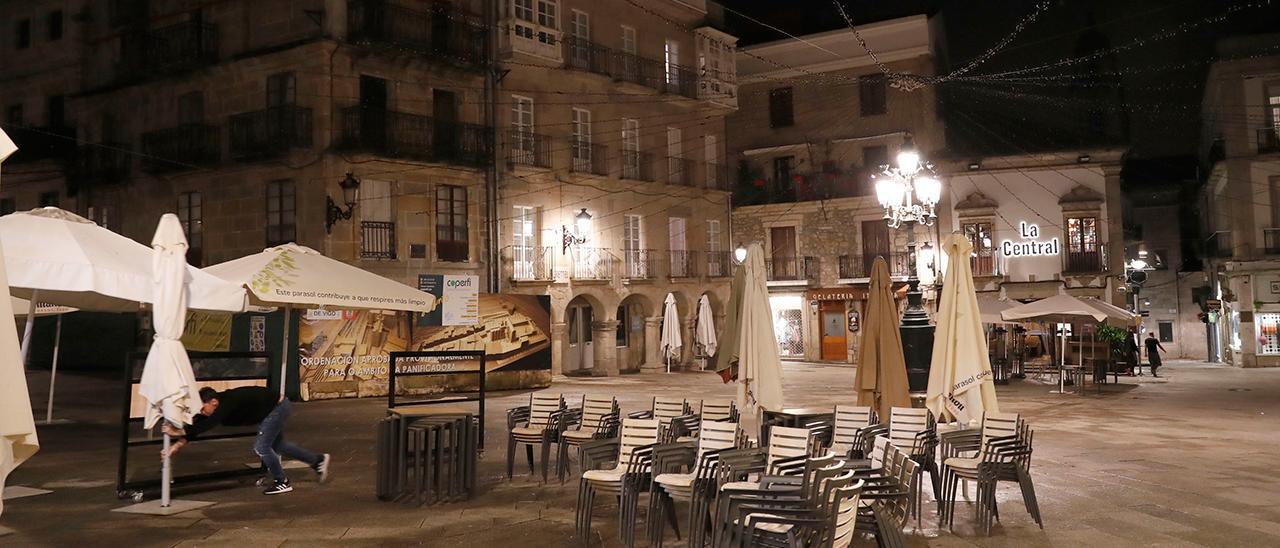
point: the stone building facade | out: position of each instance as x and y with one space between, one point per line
244 117
804 142
1241 121
1168 295
615 111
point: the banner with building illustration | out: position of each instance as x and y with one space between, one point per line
345 353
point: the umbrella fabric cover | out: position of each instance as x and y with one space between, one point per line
759 367
961 386
71 261
705 335
301 276
881 378
17 426
1064 307
167 383
22 306
727 357
989 308
671 342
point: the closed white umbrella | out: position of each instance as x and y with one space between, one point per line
759 366
671 341
291 276
961 386
167 383
705 333
17 425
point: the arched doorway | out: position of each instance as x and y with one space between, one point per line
579 352
631 315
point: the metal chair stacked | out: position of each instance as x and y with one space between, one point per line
540 423
596 419
427 457
632 456
684 472
915 431
666 411
1003 450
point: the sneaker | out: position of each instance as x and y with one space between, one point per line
278 488
263 481
322 468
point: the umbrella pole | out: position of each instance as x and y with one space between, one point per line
53 374
26 330
284 348
166 473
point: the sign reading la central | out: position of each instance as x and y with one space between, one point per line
1030 246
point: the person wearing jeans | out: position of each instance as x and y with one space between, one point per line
253 405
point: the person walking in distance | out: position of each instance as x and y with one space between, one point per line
1131 351
248 406
1153 355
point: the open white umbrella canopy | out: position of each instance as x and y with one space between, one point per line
1063 307
292 276
705 333
961 386
65 259
989 308
17 425
759 366
671 341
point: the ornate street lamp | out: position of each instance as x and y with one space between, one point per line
909 194
350 194
577 236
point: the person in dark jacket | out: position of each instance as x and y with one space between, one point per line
1153 355
1131 351
248 406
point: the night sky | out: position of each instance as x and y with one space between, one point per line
1153 110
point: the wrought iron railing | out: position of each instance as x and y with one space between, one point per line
719 264
680 171
859 266
378 240
681 80
405 135
528 149
589 158
532 263
791 268
1083 261
1218 244
639 264
172 48
682 263
183 147
637 166
106 162
718 176
269 132
39 143
442 32
592 263
583 54
1271 240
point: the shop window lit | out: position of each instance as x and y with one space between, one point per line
1268 334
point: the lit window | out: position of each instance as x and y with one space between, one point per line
1268 334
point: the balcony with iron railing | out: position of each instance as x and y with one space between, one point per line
633 68
639 264
719 264
791 269
855 267
532 263
378 240
41 143
680 171
637 166
528 149
583 54
985 262
169 49
188 146
1268 140
682 264
269 133
588 158
591 264
414 136
1271 241
440 32
681 80
1084 260
718 177
101 163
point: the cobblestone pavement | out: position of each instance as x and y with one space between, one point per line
1189 459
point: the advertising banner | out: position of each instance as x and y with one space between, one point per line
345 354
207 332
459 298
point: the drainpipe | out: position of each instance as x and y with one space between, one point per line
491 171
